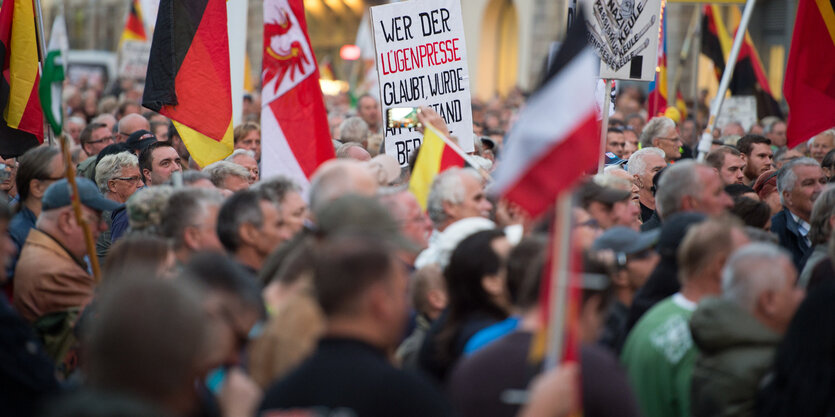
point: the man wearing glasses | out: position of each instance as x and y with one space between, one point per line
94 138
661 132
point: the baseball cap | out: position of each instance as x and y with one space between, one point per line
356 213
592 191
58 195
612 159
140 140
625 240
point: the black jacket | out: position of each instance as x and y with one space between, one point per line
784 226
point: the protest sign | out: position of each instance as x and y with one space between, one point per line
422 61
742 109
625 35
133 59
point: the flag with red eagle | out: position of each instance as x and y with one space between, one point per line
295 137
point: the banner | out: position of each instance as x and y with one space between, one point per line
625 35
133 59
422 61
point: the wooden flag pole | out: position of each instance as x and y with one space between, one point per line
604 127
716 105
560 257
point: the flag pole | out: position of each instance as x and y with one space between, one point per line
559 279
604 126
716 105
42 56
697 50
682 57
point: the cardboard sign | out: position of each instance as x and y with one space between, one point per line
133 59
422 61
625 34
742 109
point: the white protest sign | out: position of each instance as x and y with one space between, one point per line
422 61
742 109
133 59
625 34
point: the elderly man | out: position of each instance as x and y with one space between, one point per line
117 177
249 227
738 332
690 186
353 150
129 124
414 223
190 221
643 165
369 110
73 126
248 136
339 177
51 275
659 354
821 144
457 193
246 159
354 129
157 162
756 150
799 182
228 176
94 138
729 163
661 132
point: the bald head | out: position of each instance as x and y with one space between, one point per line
339 177
129 124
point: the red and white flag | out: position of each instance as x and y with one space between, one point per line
295 137
557 136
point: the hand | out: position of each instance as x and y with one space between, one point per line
429 117
239 395
554 394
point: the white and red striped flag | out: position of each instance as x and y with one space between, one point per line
295 138
557 136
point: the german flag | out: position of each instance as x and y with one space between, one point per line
434 156
22 116
808 87
657 102
134 27
749 76
188 75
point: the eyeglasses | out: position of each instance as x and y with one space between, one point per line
107 139
134 180
674 138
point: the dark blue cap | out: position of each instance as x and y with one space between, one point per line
58 195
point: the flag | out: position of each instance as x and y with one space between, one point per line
58 38
556 138
808 85
188 76
657 99
294 123
50 90
21 126
134 27
434 156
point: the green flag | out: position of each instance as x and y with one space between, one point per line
50 90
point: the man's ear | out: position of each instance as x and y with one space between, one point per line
248 234
449 208
637 181
146 175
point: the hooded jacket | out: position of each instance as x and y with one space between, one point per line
735 352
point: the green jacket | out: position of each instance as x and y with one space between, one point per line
735 352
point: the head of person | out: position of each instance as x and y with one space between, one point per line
159 128
823 217
760 278
190 221
118 176
821 144
455 194
58 219
129 124
428 291
609 207
197 179
177 141
158 162
691 186
776 132
704 251
286 195
828 165
130 346
752 212
249 227
733 128
37 169
643 165
766 189
360 284
229 176
634 256
353 150
414 223
799 182
369 110
145 256
756 150
729 163
95 137
784 155
247 160
615 141
339 177
354 129
660 132
248 136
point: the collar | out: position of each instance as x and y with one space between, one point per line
683 302
803 227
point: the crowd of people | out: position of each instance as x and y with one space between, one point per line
704 286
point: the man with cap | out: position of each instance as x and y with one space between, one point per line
140 140
51 275
634 260
609 207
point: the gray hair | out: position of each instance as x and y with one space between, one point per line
332 180
750 271
187 207
111 166
822 211
342 150
77 120
786 177
276 188
654 129
447 187
353 129
679 180
192 176
239 152
220 170
828 132
636 164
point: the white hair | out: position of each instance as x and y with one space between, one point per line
786 177
220 170
239 152
655 128
447 187
828 132
679 180
636 164
752 270
111 166
353 129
